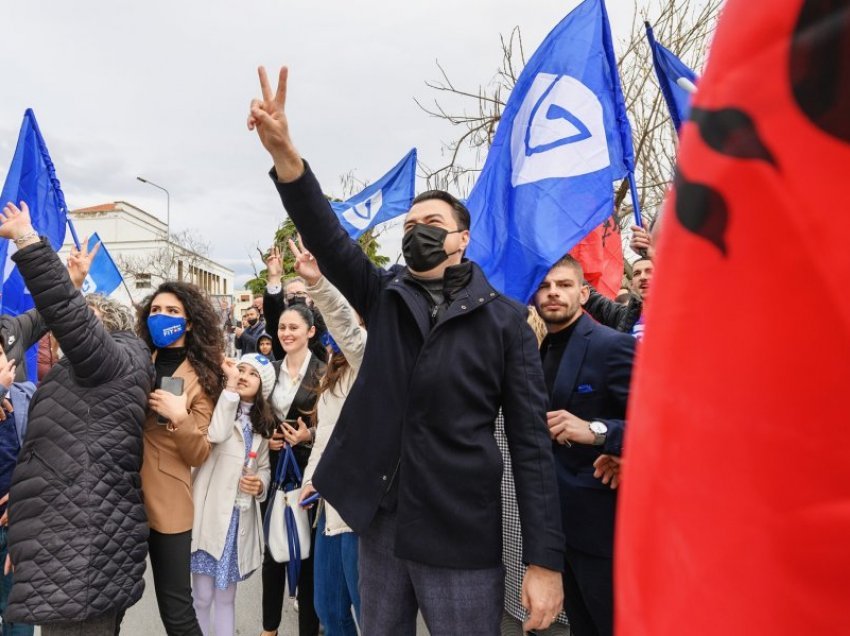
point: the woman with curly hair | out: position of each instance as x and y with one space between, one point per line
182 329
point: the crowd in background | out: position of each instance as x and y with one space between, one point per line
461 463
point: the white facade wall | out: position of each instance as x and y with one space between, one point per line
134 237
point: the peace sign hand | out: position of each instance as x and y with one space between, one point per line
274 266
79 262
268 118
305 265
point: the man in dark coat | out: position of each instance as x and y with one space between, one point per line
17 335
413 466
77 526
246 337
588 369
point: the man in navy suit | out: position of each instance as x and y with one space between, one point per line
587 368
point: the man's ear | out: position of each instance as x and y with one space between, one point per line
464 239
584 294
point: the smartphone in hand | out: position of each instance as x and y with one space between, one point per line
170 385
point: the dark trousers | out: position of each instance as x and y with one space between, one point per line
9 629
589 593
274 587
452 601
172 581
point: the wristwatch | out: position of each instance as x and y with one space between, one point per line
600 432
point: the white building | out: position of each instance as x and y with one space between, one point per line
139 244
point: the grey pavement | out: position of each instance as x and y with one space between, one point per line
143 618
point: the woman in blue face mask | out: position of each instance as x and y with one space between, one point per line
182 330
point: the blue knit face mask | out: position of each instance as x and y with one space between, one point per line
165 330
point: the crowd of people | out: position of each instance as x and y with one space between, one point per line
457 453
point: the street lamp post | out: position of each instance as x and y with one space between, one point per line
167 203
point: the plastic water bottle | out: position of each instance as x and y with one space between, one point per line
243 499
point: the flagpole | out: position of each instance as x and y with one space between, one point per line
635 200
73 231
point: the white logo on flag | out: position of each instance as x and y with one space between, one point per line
559 131
361 214
89 286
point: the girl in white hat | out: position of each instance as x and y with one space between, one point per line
227 538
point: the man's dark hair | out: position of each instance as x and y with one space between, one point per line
459 210
568 261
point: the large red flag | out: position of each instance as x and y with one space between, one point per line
735 507
601 256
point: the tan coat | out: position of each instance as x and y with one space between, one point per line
215 485
170 456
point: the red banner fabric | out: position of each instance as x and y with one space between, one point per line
601 256
735 500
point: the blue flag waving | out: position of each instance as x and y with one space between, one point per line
677 81
562 141
31 178
104 276
389 197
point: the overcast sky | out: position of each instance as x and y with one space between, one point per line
161 89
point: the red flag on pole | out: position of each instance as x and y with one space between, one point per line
735 507
601 256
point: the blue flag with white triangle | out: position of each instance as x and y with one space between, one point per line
389 197
678 82
31 178
562 141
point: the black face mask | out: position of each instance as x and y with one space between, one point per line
424 248
253 321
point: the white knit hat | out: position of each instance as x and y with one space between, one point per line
264 368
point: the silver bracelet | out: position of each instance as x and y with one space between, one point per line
26 237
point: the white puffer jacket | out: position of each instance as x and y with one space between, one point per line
344 325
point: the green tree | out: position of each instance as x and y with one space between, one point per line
368 242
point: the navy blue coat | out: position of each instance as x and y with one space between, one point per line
423 408
593 384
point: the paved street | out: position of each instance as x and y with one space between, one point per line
143 618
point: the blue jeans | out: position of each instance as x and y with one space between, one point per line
335 568
9 629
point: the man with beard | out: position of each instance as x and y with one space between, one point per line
628 317
587 368
246 339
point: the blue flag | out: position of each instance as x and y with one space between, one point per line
31 178
389 197
677 81
104 276
562 141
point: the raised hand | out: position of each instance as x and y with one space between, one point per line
16 221
7 372
305 265
79 262
641 242
274 266
231 372
268 118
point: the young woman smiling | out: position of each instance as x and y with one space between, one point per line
182 329
293 397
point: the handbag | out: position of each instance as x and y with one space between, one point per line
287 525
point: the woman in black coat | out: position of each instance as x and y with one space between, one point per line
77 526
